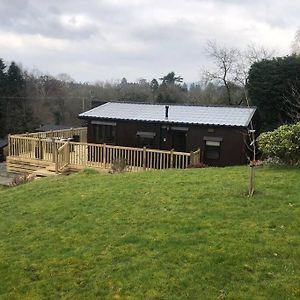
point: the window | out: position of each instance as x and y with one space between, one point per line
212 152
103 133
212 148
108 134
146 139
213 143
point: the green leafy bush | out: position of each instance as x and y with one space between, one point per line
282 143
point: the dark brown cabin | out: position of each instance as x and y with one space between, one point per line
220 132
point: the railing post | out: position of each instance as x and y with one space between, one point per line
85 135
55 153
40 148
9 145
144 158
68 152
53 150
16 146
104 155
172 158
192 158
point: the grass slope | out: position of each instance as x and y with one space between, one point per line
190 234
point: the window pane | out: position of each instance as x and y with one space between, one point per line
104 134
212 152
109 134
212 143
146 142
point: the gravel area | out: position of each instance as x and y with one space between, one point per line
5 177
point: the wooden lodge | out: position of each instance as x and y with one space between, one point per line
143 136
220 132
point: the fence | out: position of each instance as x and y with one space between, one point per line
79 133
67 153
104 156
31 148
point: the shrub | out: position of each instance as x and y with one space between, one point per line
283 143
21 179
119 165
272 161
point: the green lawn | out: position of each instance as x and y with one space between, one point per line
189 234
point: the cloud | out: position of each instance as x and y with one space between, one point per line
24 17
107 39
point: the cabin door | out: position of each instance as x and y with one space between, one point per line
173 138
165 138
179 140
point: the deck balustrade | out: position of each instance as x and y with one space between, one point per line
33 150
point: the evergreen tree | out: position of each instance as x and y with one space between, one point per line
154 87
170 78
269 84
16 114
15 81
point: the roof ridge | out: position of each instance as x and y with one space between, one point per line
179 104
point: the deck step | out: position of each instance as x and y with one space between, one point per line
44 173
51 168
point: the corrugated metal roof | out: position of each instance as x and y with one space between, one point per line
184 114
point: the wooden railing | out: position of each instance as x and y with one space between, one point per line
104 156
66 153
195 157
31 148
62 159
80 133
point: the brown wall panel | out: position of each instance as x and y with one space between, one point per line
232 149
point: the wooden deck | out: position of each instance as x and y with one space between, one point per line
56 152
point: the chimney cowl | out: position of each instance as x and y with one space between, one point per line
167 111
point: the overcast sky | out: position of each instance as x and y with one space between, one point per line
110 39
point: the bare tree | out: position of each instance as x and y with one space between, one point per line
292 101
225 60
232 68
252 149
255 53
251 55
295 46
246 58
64 77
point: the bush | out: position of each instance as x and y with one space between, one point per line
283 143
119 165
272 161
21 179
